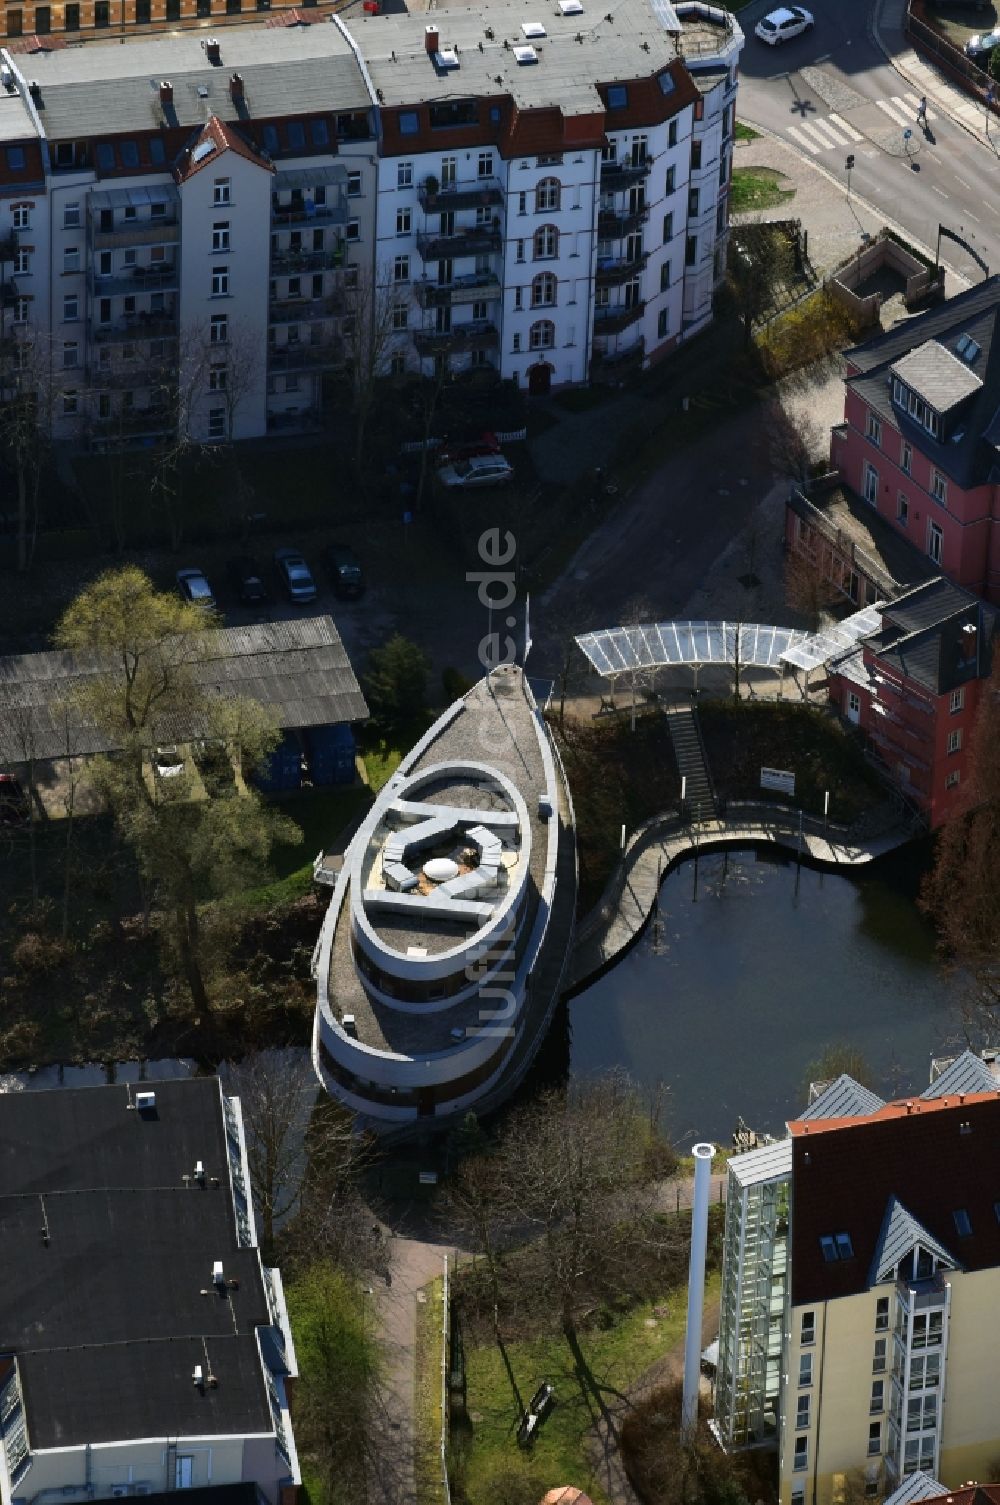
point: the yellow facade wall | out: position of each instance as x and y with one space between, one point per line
970 1436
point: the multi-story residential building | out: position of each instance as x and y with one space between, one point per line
545 198
861 1277
34 25
203 209
914 688
144 1348
920 434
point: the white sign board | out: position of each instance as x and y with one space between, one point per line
777 778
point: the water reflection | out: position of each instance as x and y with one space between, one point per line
757 965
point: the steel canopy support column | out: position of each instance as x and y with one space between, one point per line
702 1154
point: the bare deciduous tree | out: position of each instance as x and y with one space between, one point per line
277 1090
29 391
372 299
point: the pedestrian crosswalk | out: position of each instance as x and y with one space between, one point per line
833 132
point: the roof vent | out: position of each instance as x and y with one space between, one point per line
202 91
447 57
525 54
213 51
533 30
570 8
145 1102
431 39
166 92
236 87
199 1172
198 1376
217 1276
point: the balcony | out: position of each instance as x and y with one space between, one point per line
614 320
611 273
138 422
480 194
302 212
299 356
144 326
612 226
300 422
158 232
480 335
287 259
304 310
480 288
8 247
476 241
135 376
617 176
138 279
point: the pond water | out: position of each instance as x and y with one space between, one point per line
755 967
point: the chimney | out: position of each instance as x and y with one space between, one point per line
213 51
35 88
236 87
431 39
166 92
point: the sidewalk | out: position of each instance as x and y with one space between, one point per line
924 78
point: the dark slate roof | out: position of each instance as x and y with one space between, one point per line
107 1319
901 1232
299 670
966 1073
844 1171
924 637
843 1098
966 453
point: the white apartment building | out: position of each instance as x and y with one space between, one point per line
543 197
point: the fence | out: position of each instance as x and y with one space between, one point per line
949 58
445 1326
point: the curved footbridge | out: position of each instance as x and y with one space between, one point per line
624 909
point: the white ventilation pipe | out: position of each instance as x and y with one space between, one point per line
703 1154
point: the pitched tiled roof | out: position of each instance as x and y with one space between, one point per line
843 1098
219 138
923 636
936 1156
901 1232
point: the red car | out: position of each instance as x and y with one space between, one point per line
466 449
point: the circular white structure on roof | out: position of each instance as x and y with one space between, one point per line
441 869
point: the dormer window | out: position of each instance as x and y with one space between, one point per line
921 412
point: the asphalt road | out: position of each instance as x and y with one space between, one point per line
831 92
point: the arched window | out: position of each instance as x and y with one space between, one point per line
547 195
543 290
546 243
543 335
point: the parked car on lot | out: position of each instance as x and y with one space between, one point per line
478 470
982 46
245 578
295 575
464 449
14 807
346 574
195 588
782 24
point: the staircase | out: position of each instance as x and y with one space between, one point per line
685 734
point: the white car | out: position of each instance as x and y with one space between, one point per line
477 470
781 25
981 46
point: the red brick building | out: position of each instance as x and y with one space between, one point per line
914 688
920 441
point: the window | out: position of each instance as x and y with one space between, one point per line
71 216
129 153
220 235
545 243
449 171
695 155
352 230
22 261
798 1494
515 343
218 329
663 324
102 13
543 290
71 308
668 228
21 213
220 191
694 199
871 483
902 509
853 705
404 174
882 1314
220 282
672 131
485 165
400 316
73 17
671 183
71 352
519 250
962 1224
874 1438
13 23
157 210
71 259
184 1467
547 196
925 1372
957 700
836 1246
878 1359
397 366
409 122
617 97
935 542
951 780
905 457
664 276
800 1460
939 488
873 429
70 403
353 184
217 379
403 221
877 1402
808 1333
543 335
401 269
805 1369
927 1329
216 430
691 250
803 1403
295 131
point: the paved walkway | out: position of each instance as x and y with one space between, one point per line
621 915
924 78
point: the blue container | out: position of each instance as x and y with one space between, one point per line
283 770
331 751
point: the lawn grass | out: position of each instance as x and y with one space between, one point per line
427 1398
744 132
321 815
618 1356
754 188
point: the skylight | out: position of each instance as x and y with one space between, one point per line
571 7
525 54
202 150
446 57
533 30
836 1246
967 348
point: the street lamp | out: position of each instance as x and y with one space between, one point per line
849 168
